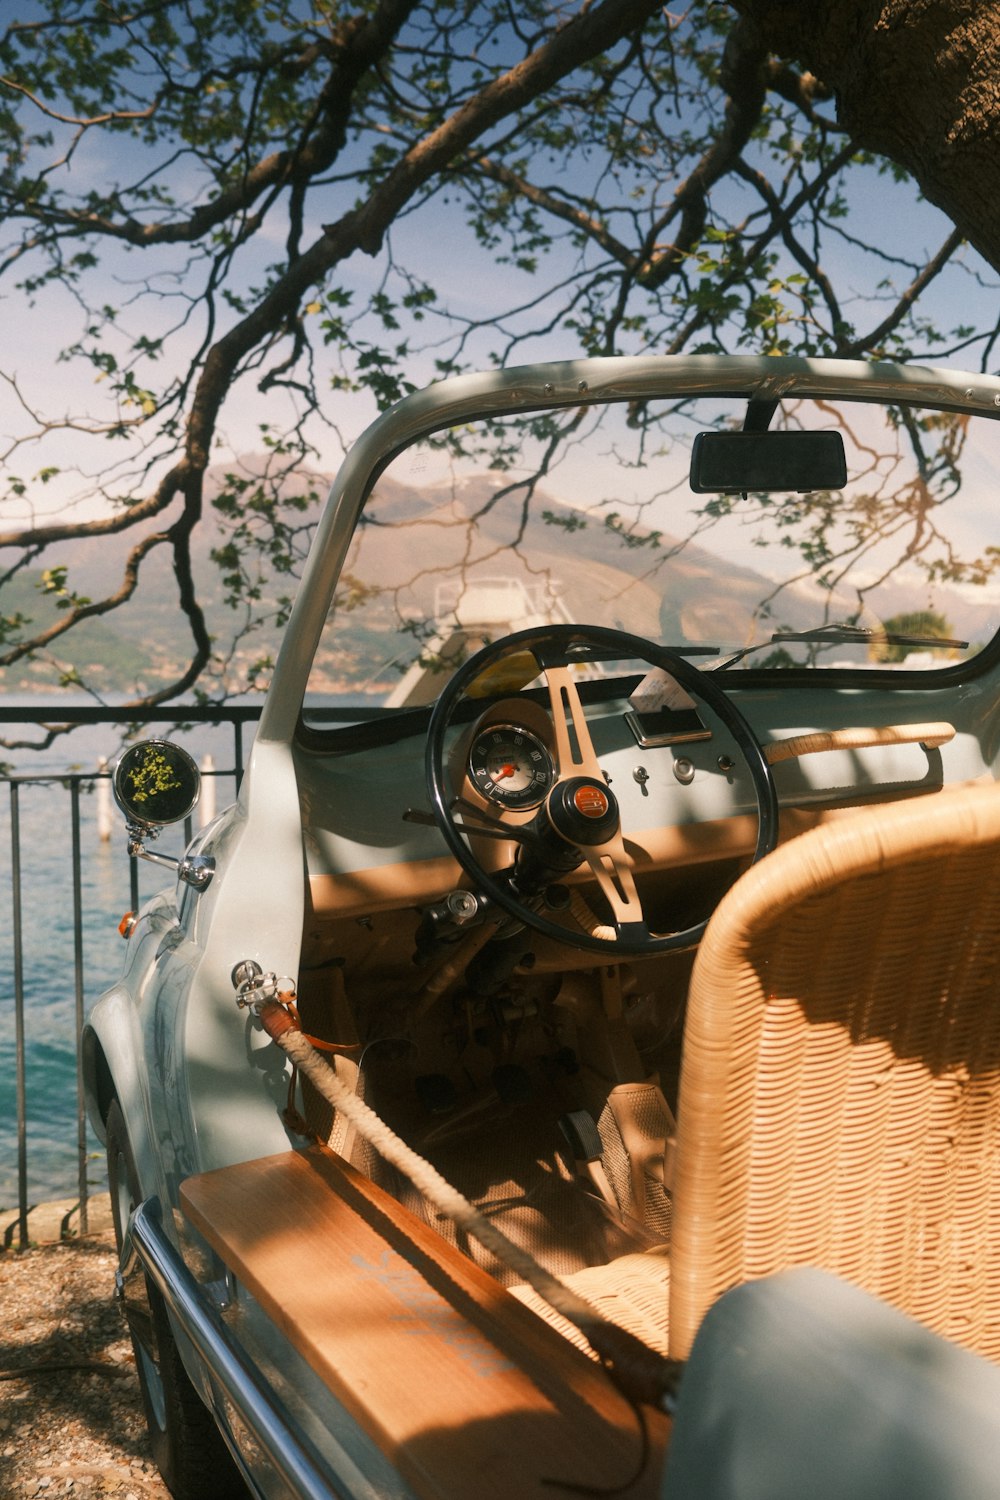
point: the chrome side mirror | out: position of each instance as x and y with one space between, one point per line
155 783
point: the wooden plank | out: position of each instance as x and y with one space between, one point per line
467 1391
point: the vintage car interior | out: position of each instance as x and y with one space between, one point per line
646 813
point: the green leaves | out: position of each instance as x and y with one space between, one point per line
630 534
54 583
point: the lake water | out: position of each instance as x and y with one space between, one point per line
49 981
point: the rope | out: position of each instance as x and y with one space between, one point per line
638 1371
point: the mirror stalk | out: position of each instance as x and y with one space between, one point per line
193 869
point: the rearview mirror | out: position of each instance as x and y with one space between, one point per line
725 463
155 783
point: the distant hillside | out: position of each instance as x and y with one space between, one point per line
146 642
673 591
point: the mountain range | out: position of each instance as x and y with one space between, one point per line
666 589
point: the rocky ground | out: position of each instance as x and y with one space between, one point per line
71 1418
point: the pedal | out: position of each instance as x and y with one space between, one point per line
581 1135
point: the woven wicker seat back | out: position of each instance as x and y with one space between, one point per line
840 1092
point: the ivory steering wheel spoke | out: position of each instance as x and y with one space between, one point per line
575 754
611 867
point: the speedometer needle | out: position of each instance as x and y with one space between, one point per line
505 771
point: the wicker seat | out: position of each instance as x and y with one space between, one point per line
840 1089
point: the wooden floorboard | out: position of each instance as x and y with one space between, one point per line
466 1390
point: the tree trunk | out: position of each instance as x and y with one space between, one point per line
917 81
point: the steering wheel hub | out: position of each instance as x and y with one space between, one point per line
582 810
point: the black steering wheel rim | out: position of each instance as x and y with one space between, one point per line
560 641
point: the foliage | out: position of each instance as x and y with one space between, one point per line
150 774
245 201
929 623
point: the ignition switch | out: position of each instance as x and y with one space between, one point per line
446 921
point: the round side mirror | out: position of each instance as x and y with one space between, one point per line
155 782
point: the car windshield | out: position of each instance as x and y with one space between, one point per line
592 516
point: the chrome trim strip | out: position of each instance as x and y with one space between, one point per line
280 1437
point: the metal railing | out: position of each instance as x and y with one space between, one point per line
38 950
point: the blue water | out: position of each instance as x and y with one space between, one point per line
49 981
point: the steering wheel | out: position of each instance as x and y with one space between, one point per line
579 819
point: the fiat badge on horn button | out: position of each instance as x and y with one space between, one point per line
591 801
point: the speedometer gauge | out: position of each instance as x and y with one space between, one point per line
510 766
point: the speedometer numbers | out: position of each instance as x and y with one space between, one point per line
510 767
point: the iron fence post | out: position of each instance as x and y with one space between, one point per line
81 1108
19 1044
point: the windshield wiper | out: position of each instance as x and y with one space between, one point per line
845 634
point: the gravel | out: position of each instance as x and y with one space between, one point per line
71 1419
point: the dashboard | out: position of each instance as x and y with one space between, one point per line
371 843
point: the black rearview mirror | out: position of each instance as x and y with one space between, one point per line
725 463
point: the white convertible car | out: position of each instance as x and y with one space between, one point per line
575 1067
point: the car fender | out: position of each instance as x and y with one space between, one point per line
113 1068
